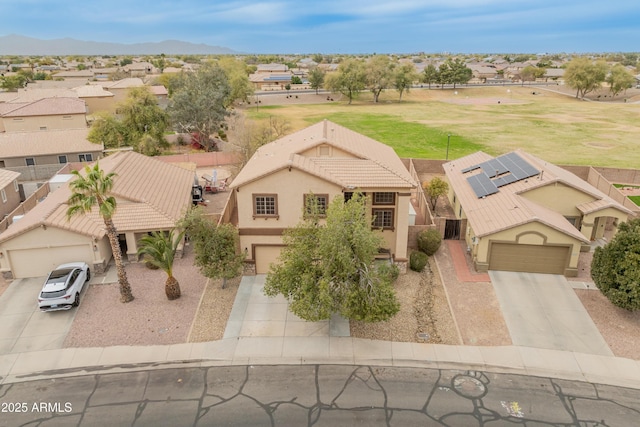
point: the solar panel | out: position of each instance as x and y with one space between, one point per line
482 185
493 168
504 180
470 168
520 166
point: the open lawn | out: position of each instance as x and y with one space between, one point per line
556 127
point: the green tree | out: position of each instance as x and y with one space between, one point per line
454 71
237 74
126 61
141 115
619 79
200 100
528 74
403 78
585 76
349 80
296 80
615 268
434 189
13 83
159 249
215 246
379 74
430 75
160 62
92 189
316 78
330 268
317 58
107 129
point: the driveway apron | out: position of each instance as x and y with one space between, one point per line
543 311
23 327
256 315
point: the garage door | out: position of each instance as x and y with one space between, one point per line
40 261
265 256
529 258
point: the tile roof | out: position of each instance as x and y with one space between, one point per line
374 164
508 208
7 177
43 143
49 107
88 91
152 195
36 93
124 83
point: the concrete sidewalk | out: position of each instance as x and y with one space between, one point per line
321 350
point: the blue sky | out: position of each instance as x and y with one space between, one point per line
340 26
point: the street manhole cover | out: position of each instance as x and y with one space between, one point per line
469 387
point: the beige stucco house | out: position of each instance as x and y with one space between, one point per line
151 195
329 161
52 147
525 214
9 192
44 114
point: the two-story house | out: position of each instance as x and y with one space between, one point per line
328 161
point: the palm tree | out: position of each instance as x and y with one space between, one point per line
160 249
93 190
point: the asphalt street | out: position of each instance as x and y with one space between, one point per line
314 395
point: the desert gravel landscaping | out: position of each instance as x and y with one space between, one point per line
150 319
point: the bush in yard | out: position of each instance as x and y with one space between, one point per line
389 270
417 261
429 241
615 268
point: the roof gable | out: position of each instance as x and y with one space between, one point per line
287 152
159 193
507 207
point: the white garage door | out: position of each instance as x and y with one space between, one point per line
265 256
40 261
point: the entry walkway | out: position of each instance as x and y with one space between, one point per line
543 311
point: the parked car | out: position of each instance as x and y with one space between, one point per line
61 290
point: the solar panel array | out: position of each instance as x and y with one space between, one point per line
504 170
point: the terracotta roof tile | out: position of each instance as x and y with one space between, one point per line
50 107
152 195
508 208
42 143
7 177
372 156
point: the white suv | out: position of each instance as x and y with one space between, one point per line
61 290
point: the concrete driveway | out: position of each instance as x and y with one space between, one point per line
23 327
543 311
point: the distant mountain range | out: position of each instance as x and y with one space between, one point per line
14 44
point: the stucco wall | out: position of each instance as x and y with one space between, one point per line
53 159
67 121
559 198
533 233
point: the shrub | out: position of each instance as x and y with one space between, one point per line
615 268
429 241
417 261
389 270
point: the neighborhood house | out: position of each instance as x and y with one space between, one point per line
525 214
328 161
151 196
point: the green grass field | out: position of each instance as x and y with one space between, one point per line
635 199
555 127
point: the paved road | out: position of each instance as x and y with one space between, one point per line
318 395
543 311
